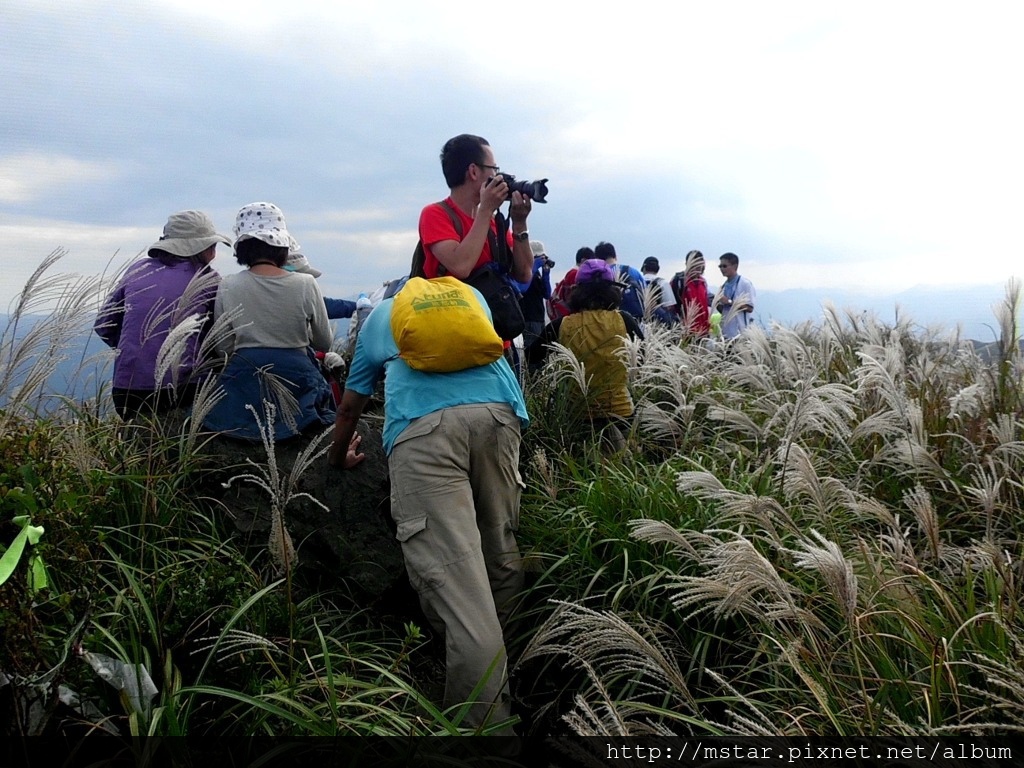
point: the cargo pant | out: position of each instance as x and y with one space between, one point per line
455 490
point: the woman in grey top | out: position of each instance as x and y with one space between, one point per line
277 319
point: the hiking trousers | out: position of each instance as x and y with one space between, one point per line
455 490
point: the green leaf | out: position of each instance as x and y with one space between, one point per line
10 558
37 576
34 533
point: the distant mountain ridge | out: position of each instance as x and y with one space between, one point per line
968 306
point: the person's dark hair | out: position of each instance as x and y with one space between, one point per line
252 250
170 259
730 258
584 253
596 294
458 154
604 251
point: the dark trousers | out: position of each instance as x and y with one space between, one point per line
132 403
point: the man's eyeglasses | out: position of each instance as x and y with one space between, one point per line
722 266
494 168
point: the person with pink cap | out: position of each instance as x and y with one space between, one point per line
277 319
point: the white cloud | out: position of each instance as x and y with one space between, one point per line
30 176
876 145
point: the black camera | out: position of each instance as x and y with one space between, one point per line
535 190
549 263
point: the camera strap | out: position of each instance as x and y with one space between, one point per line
500 252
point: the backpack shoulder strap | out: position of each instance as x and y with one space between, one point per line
456 221
419 256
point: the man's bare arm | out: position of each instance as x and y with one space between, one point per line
346 442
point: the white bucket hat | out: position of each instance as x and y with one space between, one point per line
297 261
187 233
263 221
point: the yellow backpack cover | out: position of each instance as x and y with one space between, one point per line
440 326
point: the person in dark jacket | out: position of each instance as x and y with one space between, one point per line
537 294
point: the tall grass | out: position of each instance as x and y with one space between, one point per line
150 582
810 530
839 551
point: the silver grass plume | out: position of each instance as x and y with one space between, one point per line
818 554
236 642
649 300
665 421
207 396
969 402
896 551
632 354
738 301
740 580
1007 313
812 408
688 319
546 473
1008 433
172 350
735 421
276 390
216 342
281 490
608 647
661 389
737 510
683 543
988 483
880 376
827 495
920 503
563 366
28 359
158 315
754 721
190 316
198 295
1003 692
790 653
81 450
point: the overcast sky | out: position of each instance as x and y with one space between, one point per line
871 145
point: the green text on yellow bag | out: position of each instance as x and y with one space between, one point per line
440 326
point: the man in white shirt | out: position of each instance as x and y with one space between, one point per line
735 299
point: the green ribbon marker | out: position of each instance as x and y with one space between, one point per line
9 561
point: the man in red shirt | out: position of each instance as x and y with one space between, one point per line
477 191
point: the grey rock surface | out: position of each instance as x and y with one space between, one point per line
349 540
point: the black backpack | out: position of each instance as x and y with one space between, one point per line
678 284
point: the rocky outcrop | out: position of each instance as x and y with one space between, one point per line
349 541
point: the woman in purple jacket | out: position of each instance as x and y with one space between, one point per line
155 295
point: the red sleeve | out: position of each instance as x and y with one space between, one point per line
436 227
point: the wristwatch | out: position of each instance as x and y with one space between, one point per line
521 236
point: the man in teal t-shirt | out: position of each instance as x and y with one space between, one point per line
453 446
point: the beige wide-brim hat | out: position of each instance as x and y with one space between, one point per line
187 233
297 261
